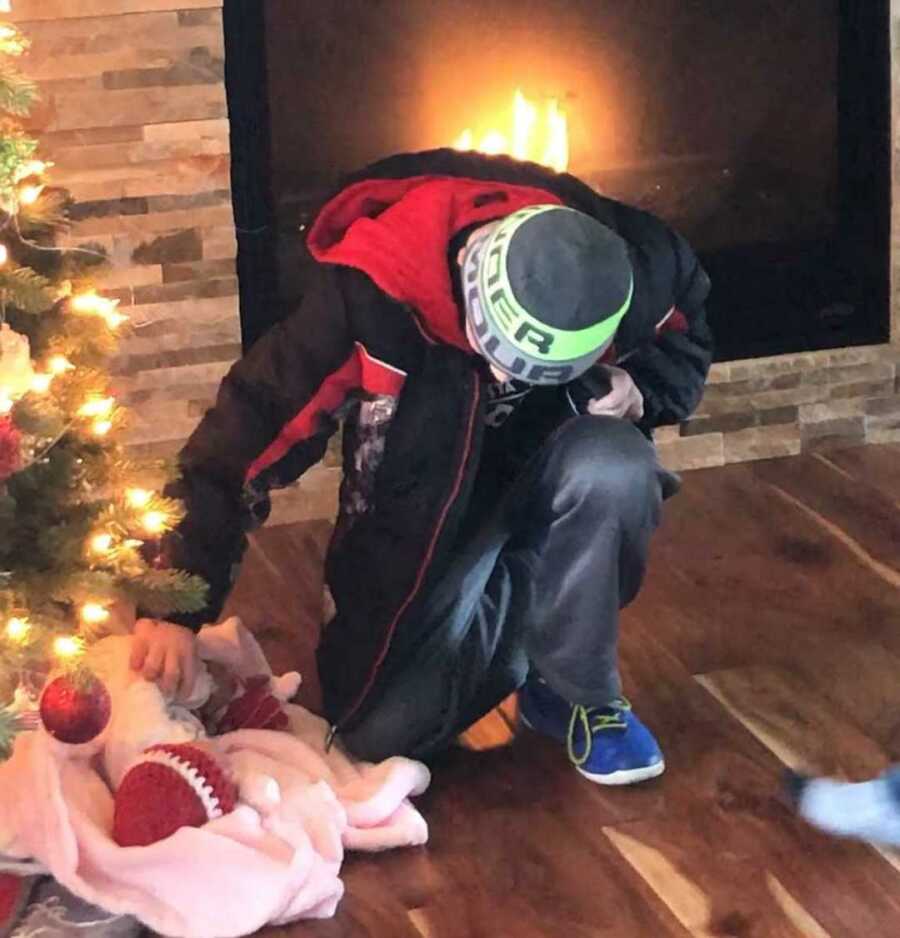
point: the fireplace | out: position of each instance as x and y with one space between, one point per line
761 130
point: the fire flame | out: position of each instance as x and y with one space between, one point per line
550 147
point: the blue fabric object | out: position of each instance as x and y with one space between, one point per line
608 745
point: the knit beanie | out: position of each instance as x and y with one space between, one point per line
544 292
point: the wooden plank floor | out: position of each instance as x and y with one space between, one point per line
768 635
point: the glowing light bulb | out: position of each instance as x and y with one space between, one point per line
86 302
101 427
92 304
97 407
59 364
40 383
4 254
28 195
17 629
12 42
102 543
114 319
6 403
94 613
32 167
154 522
68 646
138 498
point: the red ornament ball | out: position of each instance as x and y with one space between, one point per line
10 448
75 710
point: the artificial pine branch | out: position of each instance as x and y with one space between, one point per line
17 93
27 290
9 729
49 212
164 592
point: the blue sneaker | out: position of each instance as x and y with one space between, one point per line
608 745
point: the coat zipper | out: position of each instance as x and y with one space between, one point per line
423 568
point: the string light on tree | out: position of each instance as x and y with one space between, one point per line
114 318
18 629
92 304
138 498
59 365
28 195
102 543
94 614
67 647
32 168
97 407
4 254
12 42
155 522
88 302
40 383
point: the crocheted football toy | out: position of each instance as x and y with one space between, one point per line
172 786
257 708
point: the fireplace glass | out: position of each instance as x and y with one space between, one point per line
758 128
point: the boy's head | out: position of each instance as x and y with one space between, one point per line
544 291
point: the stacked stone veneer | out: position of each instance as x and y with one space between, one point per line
790 404
134 115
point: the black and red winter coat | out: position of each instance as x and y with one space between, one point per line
377 346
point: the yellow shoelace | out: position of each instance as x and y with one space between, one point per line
594 720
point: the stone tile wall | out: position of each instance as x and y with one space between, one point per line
133 114
790 404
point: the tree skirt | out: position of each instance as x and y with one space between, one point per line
38 907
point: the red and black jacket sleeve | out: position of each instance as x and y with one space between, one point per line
264 397
671 370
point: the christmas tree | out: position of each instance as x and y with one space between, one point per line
78 517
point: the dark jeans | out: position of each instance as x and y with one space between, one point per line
544 565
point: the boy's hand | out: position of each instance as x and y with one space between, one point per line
624 401
165 653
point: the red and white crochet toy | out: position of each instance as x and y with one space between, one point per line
171 787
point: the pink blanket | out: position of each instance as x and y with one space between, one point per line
275 859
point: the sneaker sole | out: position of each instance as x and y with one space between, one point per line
626 776
620 778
